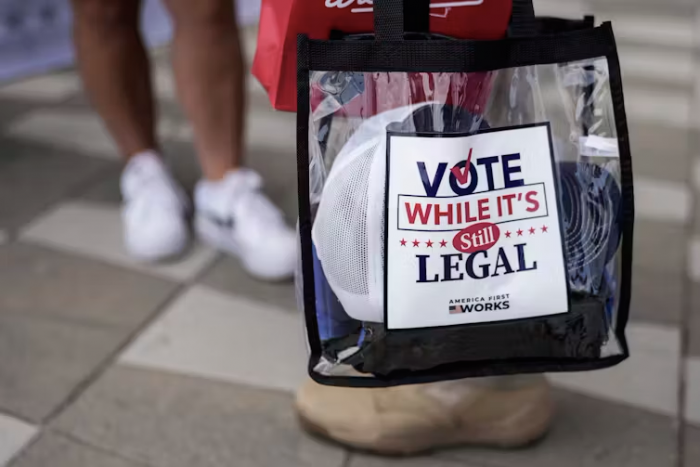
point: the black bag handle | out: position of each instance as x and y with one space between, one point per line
394 18
522 20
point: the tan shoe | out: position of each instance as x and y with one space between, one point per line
501 412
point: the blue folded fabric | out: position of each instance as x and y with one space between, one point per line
332 320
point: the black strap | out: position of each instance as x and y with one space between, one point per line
416 16
392 18
522 22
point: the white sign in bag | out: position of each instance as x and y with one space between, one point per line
473 230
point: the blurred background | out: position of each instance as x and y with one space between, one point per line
109 363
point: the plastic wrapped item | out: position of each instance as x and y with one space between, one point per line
464 217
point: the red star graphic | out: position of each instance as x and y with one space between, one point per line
416 243
520 233
429 243
403 242
443 244
532 231
508 234
544 229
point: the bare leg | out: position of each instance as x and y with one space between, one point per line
115 70
210 78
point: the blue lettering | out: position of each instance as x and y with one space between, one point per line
484 267
508 170
488 163
423 270
502 262
431 187
521 259
449 267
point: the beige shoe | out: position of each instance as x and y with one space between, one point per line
500 412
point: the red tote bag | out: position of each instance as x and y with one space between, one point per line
281 20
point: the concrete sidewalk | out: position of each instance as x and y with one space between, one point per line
109 363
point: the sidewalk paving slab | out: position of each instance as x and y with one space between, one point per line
78 131
228 276
659 247
167 420
39 281
657 297
44 360
694 320
48 88
175 421
660 151
590 432
33 176
692 446
218 336
648 379
94 231
662 201
61 316
363 460
54 450
14 435
11 109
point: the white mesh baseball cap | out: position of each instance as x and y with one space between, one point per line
348 231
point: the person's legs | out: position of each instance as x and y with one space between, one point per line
209 72
115 71
232 213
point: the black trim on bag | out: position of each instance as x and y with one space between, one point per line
467 370
307 262
460 57
618 99
549 25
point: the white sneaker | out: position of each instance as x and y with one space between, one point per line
233 215
154 210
